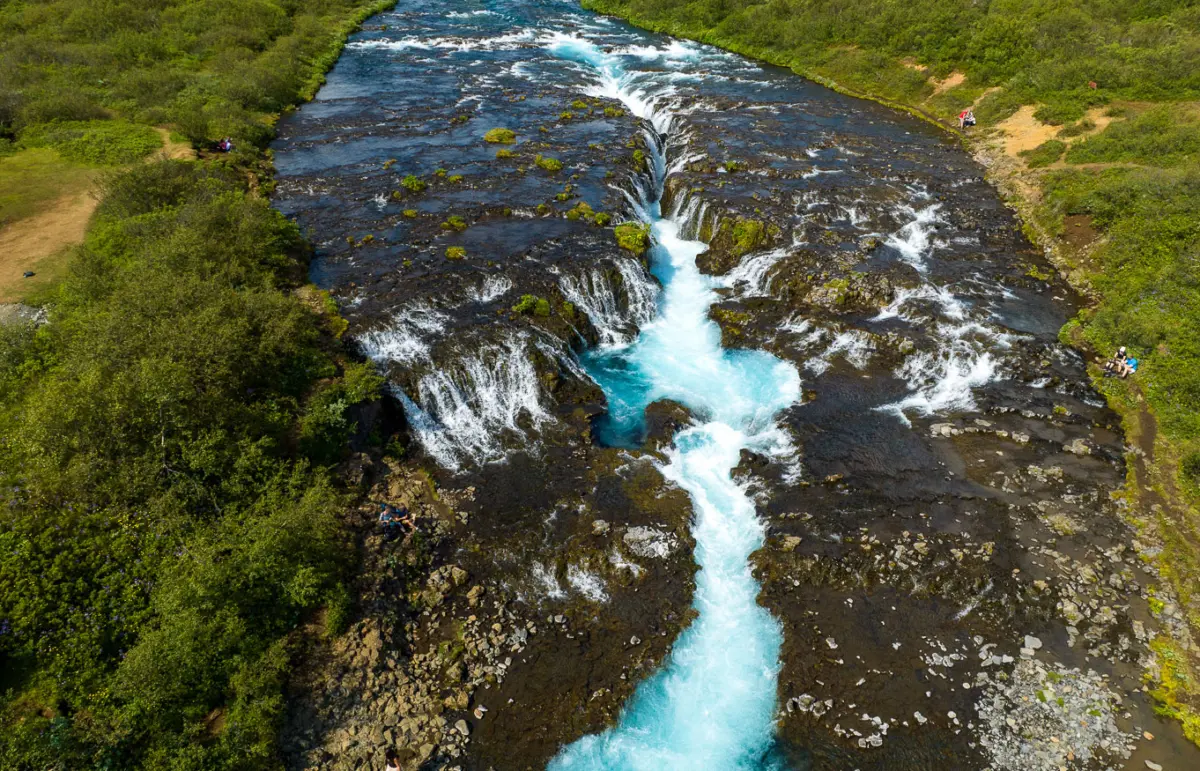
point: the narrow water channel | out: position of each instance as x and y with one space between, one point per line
712 705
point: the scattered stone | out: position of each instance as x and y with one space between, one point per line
462 727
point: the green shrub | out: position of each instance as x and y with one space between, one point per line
410 213
454 222
455 178
504 153
1044 154
500 136
455 253
1075 129
603 219
99 143
1163 136
579 104
547 163
413 184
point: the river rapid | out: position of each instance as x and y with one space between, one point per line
809 482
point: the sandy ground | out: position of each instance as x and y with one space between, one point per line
38 243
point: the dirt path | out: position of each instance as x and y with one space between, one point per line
40 243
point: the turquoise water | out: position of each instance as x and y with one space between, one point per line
712 704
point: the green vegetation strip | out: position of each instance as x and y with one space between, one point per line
169 521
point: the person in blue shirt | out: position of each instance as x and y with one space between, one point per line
1131 365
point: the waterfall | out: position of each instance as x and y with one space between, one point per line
617 310
463 410
712 704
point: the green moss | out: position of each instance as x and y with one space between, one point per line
455 252
548 163
639 160
410 213
413 184
566 115
579 104
389 163
1035 272
727 318
504 153
731 166
603 219
526 304
633 236
747 236
454 222
500 136
614 112
455 178
440 173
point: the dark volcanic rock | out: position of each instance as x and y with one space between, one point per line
664 419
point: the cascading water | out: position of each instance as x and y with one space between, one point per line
712 705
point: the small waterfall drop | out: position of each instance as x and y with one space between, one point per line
712 704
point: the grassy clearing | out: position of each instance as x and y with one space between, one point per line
30 179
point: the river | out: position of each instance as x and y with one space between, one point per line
895 471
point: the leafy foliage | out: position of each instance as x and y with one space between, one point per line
101 143
167 521
1164 136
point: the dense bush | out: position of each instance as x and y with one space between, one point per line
213 68
98 142
166 521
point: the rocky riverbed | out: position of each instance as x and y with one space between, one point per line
947 551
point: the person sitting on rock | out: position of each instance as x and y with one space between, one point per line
395 521
1114 365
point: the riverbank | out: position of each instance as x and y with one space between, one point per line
1063 181
176 415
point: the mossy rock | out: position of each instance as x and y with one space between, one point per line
500 136
410 213
581 211
413 184
454 222
734 239
548 163
504 153
455 253
531 303
633 236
